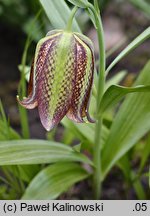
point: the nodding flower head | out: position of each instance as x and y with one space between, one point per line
61 78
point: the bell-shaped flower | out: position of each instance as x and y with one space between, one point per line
61 78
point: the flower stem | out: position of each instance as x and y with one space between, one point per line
97 177
22 85
22 92
69 24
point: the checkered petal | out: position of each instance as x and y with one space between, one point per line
78 111
61 78
30 102
57 82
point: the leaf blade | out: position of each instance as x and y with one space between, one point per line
25 152
79 3
58 13
54 180
115 93
136 42
131 123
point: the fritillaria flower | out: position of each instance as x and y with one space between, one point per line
61 78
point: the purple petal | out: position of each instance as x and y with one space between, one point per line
83 83
52 88
30 102
42 51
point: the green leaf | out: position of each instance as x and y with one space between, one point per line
19 152
54 180
124 165
26 71
131 123
80 131
136 42
85 132
58 13
79 3
115 93
27 172
6 132
33 28
23 172
142 5
145 154
77 147
149 178
92 17
116 79
139 189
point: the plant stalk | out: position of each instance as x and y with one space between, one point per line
97 176
22 92
22 86
70 21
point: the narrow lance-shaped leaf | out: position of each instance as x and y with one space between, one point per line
136 42
116 79
58 13
26 71
23 172
19 152
79 3
125 166
143 5
54 180
6 132
145 154
12 134
147 174
115 93
131 123
139 188
85 132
